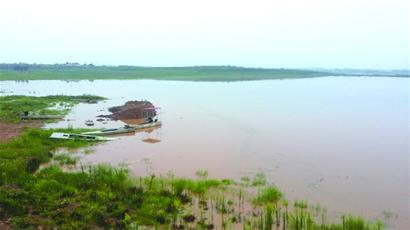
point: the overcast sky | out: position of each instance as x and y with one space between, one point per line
258 33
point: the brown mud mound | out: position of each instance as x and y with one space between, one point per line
132 110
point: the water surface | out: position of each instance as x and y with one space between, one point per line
342 142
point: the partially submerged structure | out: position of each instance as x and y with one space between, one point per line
125 129
72 136
31 116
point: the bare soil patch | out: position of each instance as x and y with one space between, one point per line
11 130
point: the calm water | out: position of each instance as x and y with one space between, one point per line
342 142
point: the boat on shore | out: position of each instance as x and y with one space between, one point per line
147 125
41 117
125 129
72 136
89 122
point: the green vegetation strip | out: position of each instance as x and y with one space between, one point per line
206 73
12 108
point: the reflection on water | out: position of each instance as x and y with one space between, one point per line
342 142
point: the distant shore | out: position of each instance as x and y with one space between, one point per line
76 71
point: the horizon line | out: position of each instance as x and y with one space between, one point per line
78 64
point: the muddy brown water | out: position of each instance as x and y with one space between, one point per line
342 142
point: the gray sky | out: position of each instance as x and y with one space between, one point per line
258 33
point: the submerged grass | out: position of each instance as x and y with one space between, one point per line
12 108
65 159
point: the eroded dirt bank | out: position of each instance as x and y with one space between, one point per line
10 130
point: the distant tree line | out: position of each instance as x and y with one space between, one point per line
25 66
16 67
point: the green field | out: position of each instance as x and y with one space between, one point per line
206 73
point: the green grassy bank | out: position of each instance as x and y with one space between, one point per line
13 107
209 73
